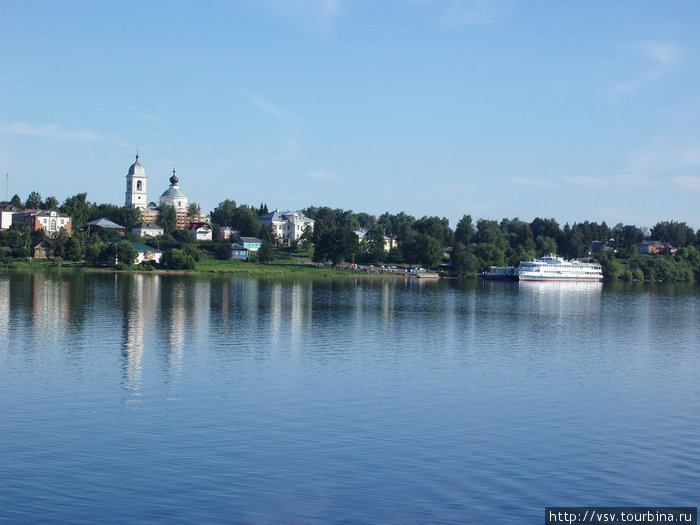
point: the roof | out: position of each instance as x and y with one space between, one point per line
42 242
173 193
148 226
197 225
136 168
278 215
106 223
139 246
46 213
249 239
238 247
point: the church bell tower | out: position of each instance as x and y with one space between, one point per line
136 185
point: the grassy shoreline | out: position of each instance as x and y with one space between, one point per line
279 268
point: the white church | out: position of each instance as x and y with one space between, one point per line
137 196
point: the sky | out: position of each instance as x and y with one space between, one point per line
494 108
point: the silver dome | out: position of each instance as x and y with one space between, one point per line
137 169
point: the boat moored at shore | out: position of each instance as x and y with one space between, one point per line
549 268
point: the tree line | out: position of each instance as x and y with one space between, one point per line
473 246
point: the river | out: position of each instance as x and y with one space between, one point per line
140 398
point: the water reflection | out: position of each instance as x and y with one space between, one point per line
139 315
4 313
49 306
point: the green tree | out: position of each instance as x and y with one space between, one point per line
167 218
128 216
336 245
488 255
74 249
374 244
34 201
79 209
223 213
422 249
306 237
545 245
465 230
245 220
266 253
125 253
174 259
400 224
464 262
436 227
16 201
545 228
677 234
193 211
51 203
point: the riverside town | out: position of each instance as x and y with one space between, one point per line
172 233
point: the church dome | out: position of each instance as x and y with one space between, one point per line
173 193
174 196
137 169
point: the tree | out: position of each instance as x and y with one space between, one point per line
336 245
436 227
465 230
193 212
125 253
245 221
266 253
306 237
545 228
374 244
677 234
545 245
34 201
51 203
464 261
488 255
16 201
399 224
74 249
167 218
175 259
223 213
422 249
78 208
489 232
128 216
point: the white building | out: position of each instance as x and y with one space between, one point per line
6 213
200 230
288 226
136 185
174 196
147 229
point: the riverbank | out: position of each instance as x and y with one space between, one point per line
213 266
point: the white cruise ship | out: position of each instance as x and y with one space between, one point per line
553 268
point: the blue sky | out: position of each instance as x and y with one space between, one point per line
494 108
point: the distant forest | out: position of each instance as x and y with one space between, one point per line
471 247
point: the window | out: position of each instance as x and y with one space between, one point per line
138 185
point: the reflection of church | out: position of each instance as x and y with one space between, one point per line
136 195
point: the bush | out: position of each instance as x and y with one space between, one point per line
177 260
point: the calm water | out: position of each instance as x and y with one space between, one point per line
175 399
